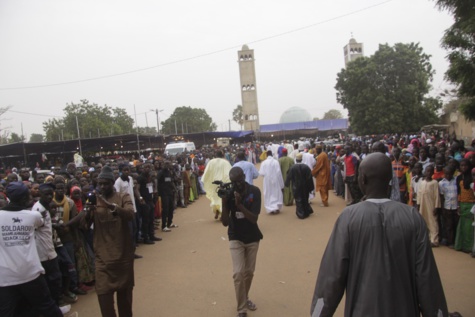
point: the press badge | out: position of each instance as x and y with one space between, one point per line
240 215
150 187
168 179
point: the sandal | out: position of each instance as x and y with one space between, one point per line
250 305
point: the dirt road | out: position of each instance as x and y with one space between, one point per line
189 273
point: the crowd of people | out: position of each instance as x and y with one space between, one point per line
78 204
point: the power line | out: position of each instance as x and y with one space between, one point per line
51 116
198 56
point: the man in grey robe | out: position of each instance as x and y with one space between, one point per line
380 253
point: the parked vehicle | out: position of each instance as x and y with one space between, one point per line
177 148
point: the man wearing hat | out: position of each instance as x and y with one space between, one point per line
113 245
21 273
301 180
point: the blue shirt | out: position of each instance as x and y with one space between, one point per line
449 190
249 170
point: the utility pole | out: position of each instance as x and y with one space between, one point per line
79 136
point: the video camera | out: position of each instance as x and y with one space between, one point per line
91 199
224 190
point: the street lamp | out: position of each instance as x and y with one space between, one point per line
158 121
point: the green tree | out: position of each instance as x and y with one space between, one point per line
387 92
15 138
36 138
147 130
237 115
188 120
459 40
332 114
4 130
93 121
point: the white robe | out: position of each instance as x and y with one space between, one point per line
310 161
216 170
273 184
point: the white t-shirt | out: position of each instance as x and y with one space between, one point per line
44 235
19 261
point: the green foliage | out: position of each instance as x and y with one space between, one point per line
147 130
332 114
15 138
36 138
238 116
387 92
188 120
93 121
459 40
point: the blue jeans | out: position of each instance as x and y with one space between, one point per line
35 293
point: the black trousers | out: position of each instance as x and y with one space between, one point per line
29 299
53 278
167 210
147 211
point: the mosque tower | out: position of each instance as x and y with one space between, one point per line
353 50
247 74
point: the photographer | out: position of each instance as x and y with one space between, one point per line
241 208
113 246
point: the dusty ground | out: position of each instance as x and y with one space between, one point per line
189 272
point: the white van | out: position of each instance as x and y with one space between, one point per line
177 148
222 142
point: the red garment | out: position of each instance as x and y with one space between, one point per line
78 204
438 175
350 165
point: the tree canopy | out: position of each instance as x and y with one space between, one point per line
332 114
36 138
188 120
387 92
238 116
93 121
15 138
459 40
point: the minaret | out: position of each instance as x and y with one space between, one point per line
247 73
353 50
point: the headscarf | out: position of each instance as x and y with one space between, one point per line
77 202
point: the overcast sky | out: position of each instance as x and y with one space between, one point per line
189 50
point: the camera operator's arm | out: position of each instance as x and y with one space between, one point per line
240 207
225 214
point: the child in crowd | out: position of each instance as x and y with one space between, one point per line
415 181
428 201
449 216
466 197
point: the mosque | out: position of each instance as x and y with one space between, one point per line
294 121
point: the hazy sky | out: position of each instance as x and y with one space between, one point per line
188 49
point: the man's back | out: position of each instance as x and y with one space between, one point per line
380 254
249 170
19 261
